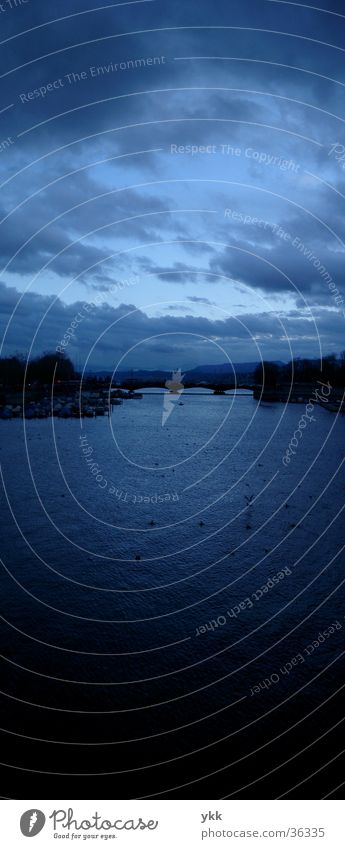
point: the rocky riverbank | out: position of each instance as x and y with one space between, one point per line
87 404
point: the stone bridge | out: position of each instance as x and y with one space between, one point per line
133 385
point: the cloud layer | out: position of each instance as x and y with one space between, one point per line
142 143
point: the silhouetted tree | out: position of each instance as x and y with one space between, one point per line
330 369
342 369
42 369
266 374
12 371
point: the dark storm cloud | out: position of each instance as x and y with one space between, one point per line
62 222
106 333
305 268
104 32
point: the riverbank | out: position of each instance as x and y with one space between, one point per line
330 398
38 405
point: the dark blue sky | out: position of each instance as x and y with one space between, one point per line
175 165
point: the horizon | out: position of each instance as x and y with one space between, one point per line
135 367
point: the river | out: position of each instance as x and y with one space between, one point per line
159 566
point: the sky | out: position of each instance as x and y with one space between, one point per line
172 182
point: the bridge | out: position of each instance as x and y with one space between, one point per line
132 385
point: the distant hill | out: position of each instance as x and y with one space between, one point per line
204 373
222 369
134 374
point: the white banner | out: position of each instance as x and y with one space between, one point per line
168 824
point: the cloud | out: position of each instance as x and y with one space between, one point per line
180 272
195 300
104 334
76 211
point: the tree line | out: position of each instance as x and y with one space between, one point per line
39 370
331 369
